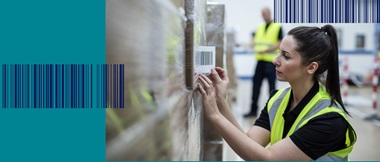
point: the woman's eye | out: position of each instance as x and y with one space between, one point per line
286 57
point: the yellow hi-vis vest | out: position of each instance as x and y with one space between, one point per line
318 105
264 40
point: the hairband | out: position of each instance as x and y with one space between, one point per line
324 30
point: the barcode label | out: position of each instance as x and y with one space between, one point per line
326 11
204 59
62 86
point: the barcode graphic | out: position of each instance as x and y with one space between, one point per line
326 11
62 85
204 58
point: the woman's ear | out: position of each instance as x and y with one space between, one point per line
312 67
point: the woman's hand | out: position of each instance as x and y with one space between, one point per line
220 79
208 93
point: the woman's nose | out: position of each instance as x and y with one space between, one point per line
275 61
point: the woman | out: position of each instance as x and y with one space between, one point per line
306 121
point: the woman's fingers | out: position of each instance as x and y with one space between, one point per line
221 72
207 84
206 79
203 92
215 75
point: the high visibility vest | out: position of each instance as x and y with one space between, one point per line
265 39
318 105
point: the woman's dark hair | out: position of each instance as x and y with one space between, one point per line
320 45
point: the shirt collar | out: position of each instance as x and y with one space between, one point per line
297 110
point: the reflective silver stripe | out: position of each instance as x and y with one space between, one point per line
273 110
332 158
318 107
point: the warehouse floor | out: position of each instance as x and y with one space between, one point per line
359 104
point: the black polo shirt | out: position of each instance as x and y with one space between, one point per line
322 134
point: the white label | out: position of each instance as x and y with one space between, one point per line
204 59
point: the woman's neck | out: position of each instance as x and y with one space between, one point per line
299 91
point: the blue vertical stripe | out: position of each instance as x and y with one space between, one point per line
37 97
113 89
75 86
40 94
91 86
102 80
122 86
286 11
100 90
57 84
323 12
27 83
50 86
105 86
114 78
3 68
17 78
43 86
97 80
47 78
83 79
37 86
15 82
309 10
352 14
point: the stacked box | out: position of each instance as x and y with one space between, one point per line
195 13
215 31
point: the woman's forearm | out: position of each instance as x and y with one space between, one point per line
225 110
238 140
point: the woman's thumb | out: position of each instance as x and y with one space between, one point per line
215 75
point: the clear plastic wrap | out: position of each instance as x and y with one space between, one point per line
163 117
146 36
215 31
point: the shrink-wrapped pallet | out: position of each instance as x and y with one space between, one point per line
215 31
163 116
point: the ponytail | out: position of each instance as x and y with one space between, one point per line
332 79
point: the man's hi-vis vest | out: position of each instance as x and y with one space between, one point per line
318 105
264 40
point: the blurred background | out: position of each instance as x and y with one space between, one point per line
163 118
